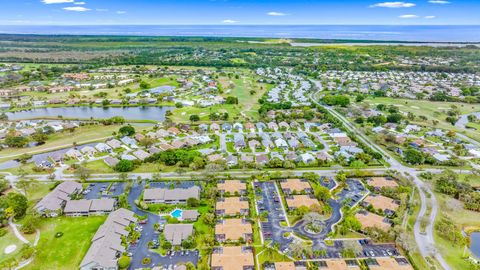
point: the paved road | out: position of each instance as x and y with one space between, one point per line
425 243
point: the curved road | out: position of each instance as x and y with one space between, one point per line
425 242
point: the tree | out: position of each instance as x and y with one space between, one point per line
18 203
127 130
16 141
147 141
144 85
341 177
193 202
82 173
353 246
124 166
231 100
25 184
194 118
40 137
413 156
336 100
124 262
322 193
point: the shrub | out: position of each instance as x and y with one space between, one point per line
146 260
124 262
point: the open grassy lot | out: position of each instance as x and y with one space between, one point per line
81 135
67 251
432 110
462 218
7 240
238 87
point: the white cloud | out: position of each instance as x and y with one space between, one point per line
393 5
229 21
408 16
57 1
274 13
78 9
121 12
430 17
79 3
439 2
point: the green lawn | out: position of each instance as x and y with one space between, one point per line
65 139
6 240
98 166
463 219
432 110
67 251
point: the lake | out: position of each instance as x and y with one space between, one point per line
475 243
132 113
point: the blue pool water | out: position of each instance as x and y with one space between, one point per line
177 213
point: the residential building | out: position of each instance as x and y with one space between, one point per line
232 187
232 258
106 245
171 196
232 206
176 233
233 230
51 205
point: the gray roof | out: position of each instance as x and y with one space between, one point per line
108 241
190 214
102 204
171 194
54 200
77 206
176 233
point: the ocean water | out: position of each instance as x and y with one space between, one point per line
461 33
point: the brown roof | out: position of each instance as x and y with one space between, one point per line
382 202
301 200
390 264
295 185
232 258
380 182
232 186
232 205
371 220
233 228
339 265
284 266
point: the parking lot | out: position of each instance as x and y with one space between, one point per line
173 184
328 182
103 189
140 250
353 193
270 203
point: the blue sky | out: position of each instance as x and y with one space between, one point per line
191 12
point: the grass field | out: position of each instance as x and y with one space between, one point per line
462 218
247 102
67 251
432 110
6 240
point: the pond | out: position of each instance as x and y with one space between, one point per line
475 243
132 113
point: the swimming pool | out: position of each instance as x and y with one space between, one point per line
177 213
